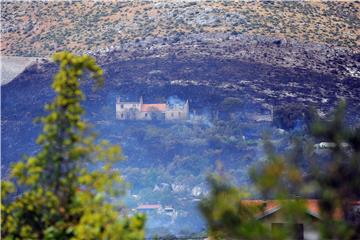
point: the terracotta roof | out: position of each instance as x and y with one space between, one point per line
268 207
313 207
149 206
153 107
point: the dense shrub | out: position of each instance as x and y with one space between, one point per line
292 116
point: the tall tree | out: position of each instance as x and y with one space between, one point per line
338 181
335 183
67 190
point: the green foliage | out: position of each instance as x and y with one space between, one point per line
287 116
67 188
279 177
336 183
227 217
231 104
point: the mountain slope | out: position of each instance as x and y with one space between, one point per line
38 28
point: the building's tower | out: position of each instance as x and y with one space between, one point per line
186 109
117 107
141 103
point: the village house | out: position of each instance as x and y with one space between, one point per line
272 214
154 111
150 208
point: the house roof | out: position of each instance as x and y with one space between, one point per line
161 107
268 207
149 206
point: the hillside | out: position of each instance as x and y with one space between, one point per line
168 162
235 61
39 28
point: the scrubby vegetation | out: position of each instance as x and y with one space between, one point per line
290 116
70 188
168 163
94 25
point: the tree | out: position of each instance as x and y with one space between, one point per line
231 105
226 216
67 189
335 183
290 116
156 114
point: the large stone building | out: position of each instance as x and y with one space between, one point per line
155 111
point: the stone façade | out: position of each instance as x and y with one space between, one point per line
155 111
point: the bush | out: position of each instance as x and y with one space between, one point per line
291 116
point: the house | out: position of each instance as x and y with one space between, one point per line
154 111
149 208
273 214
169 210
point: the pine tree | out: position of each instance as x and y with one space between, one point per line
66 191
335 183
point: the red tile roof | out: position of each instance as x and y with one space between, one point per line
149 206
270 206
153 107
